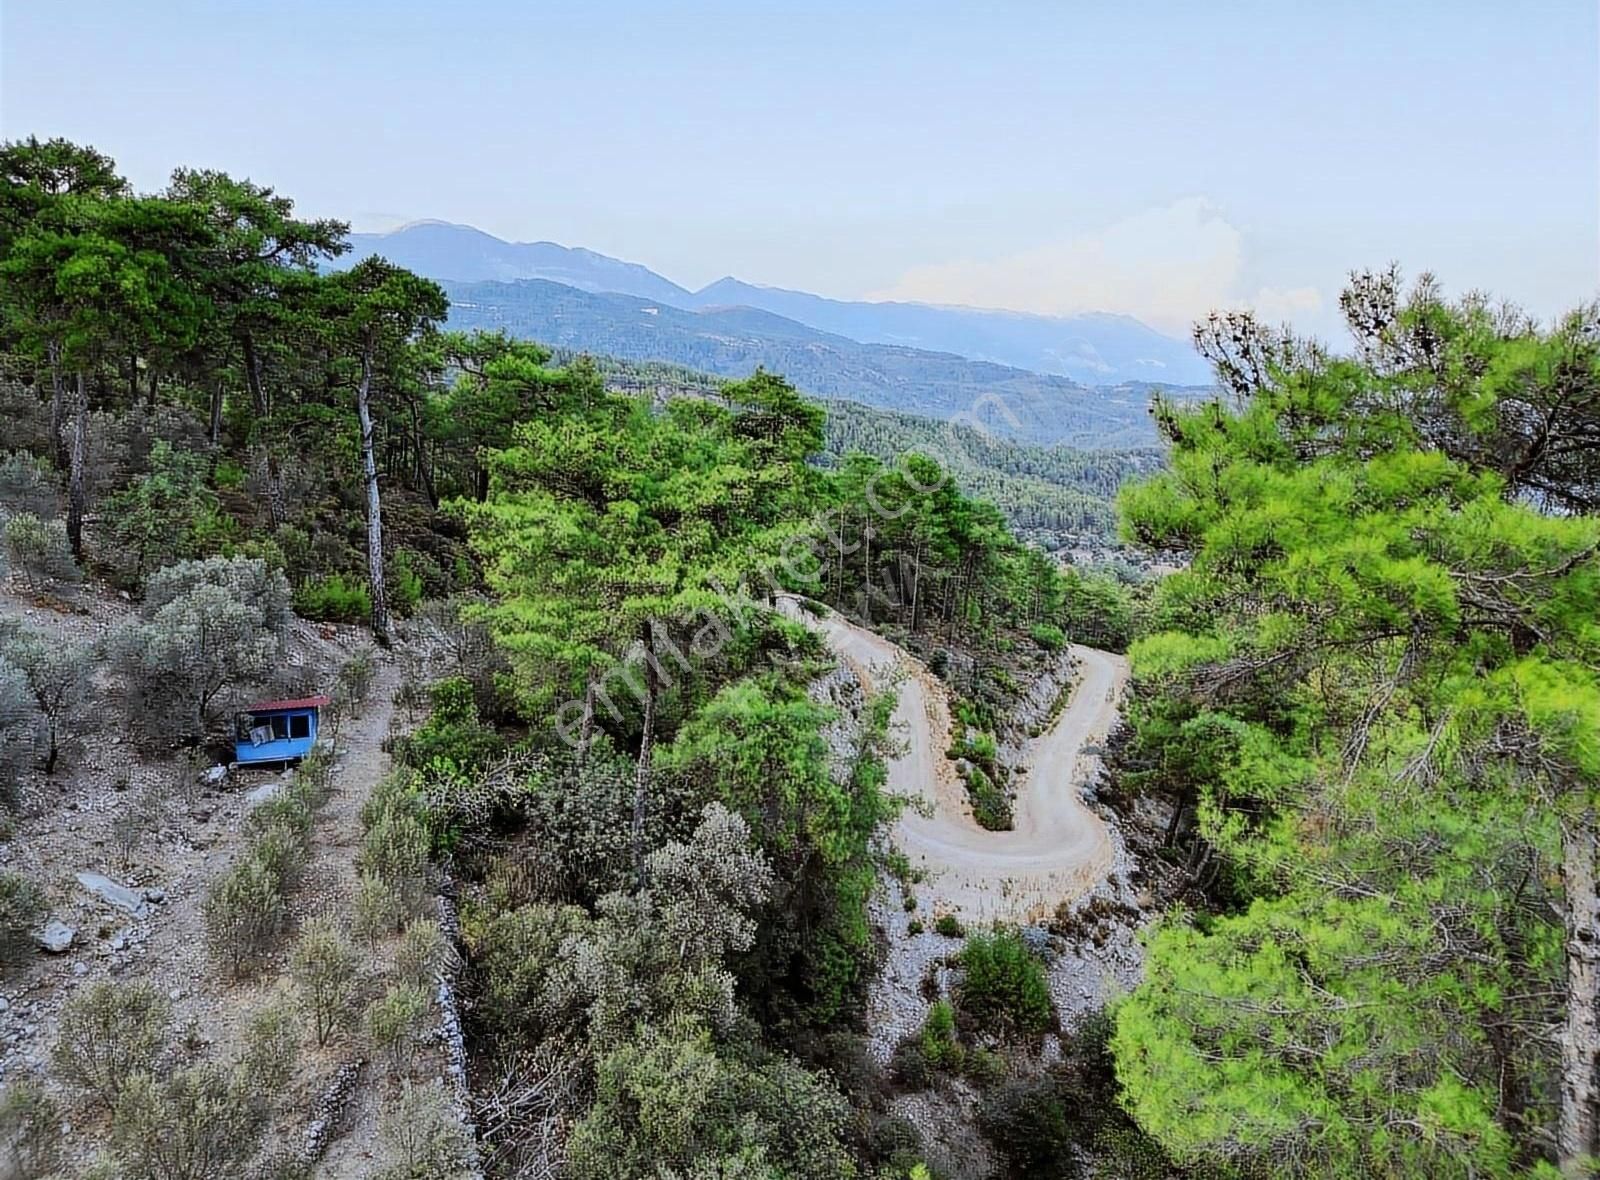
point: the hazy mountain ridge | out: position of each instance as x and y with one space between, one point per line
1094 348
733 341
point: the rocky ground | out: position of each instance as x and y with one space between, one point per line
126 845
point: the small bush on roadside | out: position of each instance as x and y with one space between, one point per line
949 925
914 926
30 1131
22 909
422 1136
396 848
1049 636
395 1023
333 598
1004 986
323 967
109 1033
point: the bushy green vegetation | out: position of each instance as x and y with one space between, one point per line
1003 986
1372 700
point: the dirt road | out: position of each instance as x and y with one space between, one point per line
1058 849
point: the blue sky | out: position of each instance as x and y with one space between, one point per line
1154 158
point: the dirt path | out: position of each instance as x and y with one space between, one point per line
1058 848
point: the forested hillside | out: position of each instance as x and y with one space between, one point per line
657 800
1058 497
587 872
732 341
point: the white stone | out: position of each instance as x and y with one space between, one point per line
56 937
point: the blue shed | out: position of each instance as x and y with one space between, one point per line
277 731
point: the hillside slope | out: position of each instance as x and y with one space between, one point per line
734 341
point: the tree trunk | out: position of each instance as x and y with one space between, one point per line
641 785
216 411
866 568
1578 1131
58 401
277 506
369 466
75 477
586 724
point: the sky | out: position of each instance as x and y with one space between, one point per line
1156 159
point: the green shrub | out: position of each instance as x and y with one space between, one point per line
30 1130
324 969
357 674
22 909
1029 1127
949 925
453 736
990 807
38 550
334 598
204 1121
395 1025
404 582
271 1045
109 1033
1003 986
938 1037
423 1138
422 952
27 484
1049 636
205 627
162 516
378 912
18 733
244 913
914 926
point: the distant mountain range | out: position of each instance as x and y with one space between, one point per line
732 341
1094 348
1084 380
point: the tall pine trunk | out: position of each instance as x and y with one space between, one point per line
641 784
75 477
1578 1132
277 503
369 466
586 725
58 402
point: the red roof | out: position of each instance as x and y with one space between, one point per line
315 702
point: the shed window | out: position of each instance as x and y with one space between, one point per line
280 727
300 725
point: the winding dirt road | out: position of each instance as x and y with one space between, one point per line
1058 850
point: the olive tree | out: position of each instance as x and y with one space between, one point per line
206 628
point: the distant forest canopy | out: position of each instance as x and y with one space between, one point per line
1060 497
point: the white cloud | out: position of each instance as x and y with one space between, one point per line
1167 266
